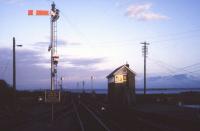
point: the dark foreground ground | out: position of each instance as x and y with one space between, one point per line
87 112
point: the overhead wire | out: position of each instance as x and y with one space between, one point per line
74 26
171 74
175 38
191 66
175 70
156 39
5 68
161 64
175 34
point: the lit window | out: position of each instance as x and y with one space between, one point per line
124 77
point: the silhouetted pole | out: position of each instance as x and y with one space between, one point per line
52 69
145 51
14 68
14 76
92 85
83 84
61 79
54 18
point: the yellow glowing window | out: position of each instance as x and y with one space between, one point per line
124 77
119 79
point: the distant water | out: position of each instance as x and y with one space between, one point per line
98 91
141 91
168 90
192 106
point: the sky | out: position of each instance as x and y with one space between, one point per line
97 36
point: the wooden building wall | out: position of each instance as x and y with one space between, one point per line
122 93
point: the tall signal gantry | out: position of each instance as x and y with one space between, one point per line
145 52
52 96
53 45
54 14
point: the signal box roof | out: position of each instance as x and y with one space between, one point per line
126 66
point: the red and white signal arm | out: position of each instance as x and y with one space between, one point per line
38 12
41 13
55 56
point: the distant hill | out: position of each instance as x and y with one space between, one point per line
171 81
3 84
5 91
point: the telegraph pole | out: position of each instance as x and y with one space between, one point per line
61 83
14 71
14 68
14 76
14 65
92 84
145 52
83 84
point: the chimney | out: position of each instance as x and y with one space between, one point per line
127 65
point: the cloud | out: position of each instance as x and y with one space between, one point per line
32 74
152 16
85 61
65 42
135 10
31 57
175 81
142 12
29 74
41 44
10 2
60 42
74 43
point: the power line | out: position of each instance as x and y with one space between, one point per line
177 33
175 69
73 25
195 71
171 74
191 66
5 68
173 36
168 70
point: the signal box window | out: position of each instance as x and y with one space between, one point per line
124 77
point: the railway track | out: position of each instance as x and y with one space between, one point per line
89 120
117 119
87 113
42 118
131 119
21 119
